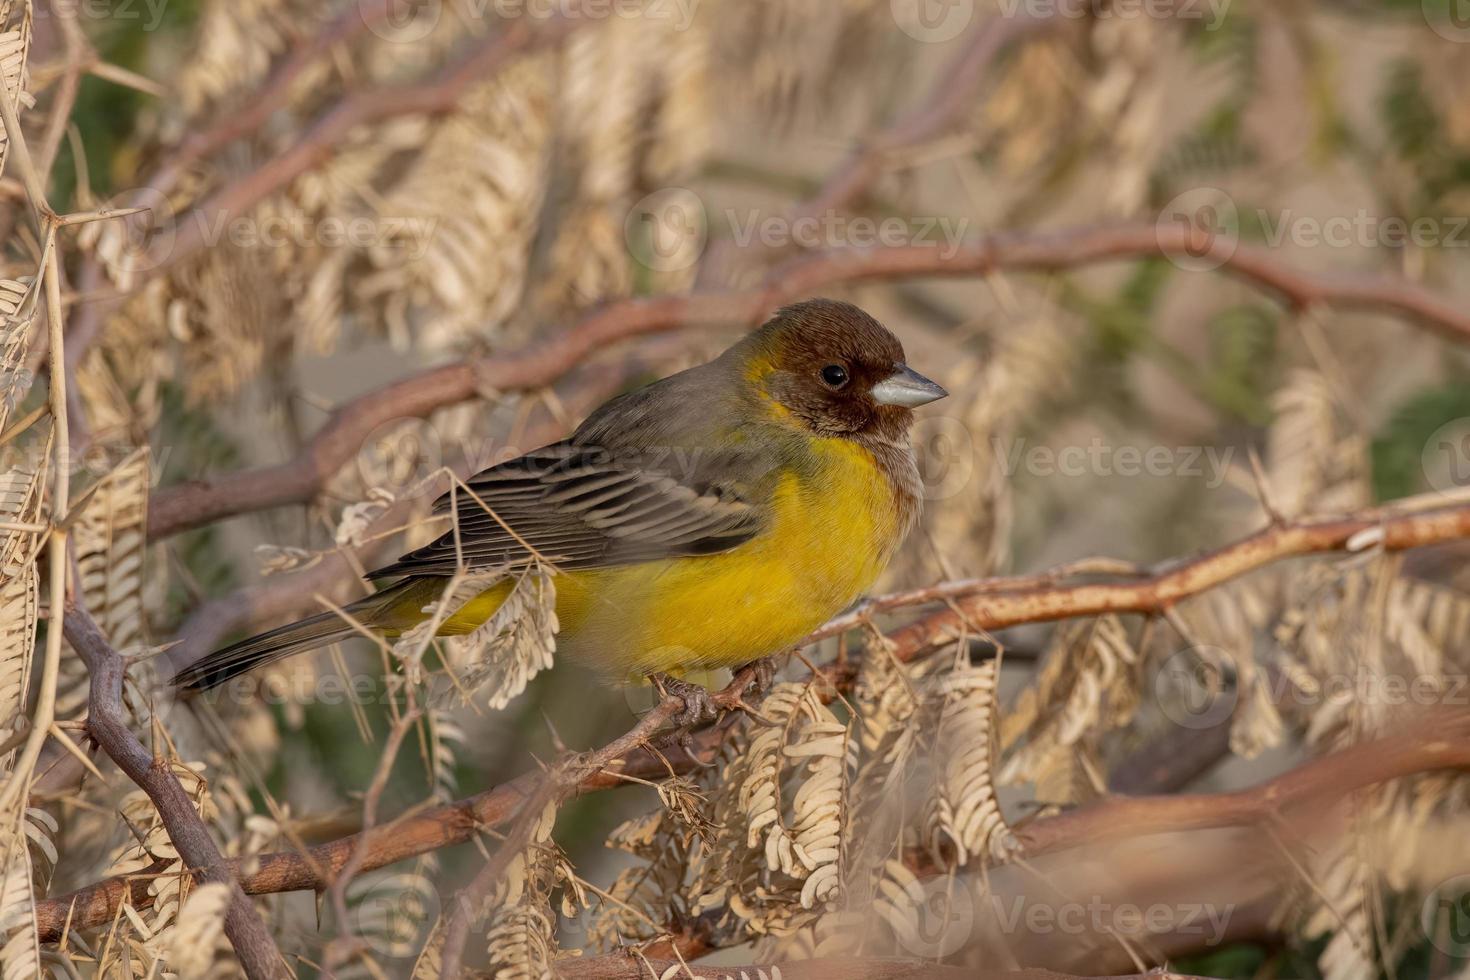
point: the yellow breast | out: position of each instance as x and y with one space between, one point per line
832 529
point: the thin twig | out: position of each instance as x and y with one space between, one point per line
184 506
108 726
1037 597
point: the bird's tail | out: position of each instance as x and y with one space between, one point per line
376 610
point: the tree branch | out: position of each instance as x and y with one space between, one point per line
188 505
1438 742
988 603
436 96
627 966
253 112
107 724
555 787
290 594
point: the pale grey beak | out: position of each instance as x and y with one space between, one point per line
908 388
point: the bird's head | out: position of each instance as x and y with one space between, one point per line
834 369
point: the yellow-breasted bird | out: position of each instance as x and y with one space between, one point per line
706 520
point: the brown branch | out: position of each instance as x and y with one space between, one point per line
433 97
108 727
188 505
1438 742
560 784
951 94
253 111
988 603
347 944
626 966
291 594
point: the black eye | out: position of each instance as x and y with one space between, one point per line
835 375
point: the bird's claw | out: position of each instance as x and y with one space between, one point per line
699 705
763 676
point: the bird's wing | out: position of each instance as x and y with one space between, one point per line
577 507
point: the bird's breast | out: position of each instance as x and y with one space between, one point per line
834 519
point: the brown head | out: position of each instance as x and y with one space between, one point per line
835 370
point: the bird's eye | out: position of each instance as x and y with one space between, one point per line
835 375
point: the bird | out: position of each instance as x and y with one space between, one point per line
706 520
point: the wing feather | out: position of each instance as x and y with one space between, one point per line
583 507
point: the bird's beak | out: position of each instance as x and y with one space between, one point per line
908 388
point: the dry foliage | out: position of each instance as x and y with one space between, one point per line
339 196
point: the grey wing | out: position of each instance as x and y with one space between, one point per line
578 507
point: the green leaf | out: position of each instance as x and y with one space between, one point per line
1399 446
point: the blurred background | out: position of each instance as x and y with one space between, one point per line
342 196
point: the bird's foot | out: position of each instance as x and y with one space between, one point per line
699 704
763 676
